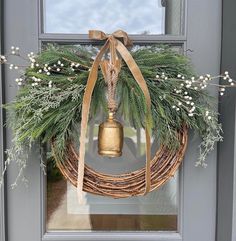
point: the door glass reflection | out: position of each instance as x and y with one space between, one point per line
133 16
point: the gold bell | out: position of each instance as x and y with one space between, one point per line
110 137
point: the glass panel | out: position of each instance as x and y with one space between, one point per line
157 211
133 16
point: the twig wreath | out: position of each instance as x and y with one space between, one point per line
49 102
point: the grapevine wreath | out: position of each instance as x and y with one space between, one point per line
49 104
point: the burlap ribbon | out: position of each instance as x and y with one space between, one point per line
114 44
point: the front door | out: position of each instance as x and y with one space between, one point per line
184 208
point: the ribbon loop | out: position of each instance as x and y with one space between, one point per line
114 44
118 34
97 34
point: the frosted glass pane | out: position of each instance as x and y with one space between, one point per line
133 16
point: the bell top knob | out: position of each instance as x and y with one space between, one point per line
111 116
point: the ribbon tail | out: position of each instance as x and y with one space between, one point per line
85 116
125 54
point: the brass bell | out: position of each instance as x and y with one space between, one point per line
110 137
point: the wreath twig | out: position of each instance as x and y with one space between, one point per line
163 166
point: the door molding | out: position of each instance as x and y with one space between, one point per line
226 208
107 236
2 135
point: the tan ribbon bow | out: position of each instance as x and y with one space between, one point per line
115 45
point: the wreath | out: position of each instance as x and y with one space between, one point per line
48 110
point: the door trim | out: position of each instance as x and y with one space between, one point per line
102 236
226 193
2 135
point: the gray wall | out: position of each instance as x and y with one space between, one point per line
226 223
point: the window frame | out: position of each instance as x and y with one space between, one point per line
175 40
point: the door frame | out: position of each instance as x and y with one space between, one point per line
226 196
3 219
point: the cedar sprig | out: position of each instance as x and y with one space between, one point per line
48 104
